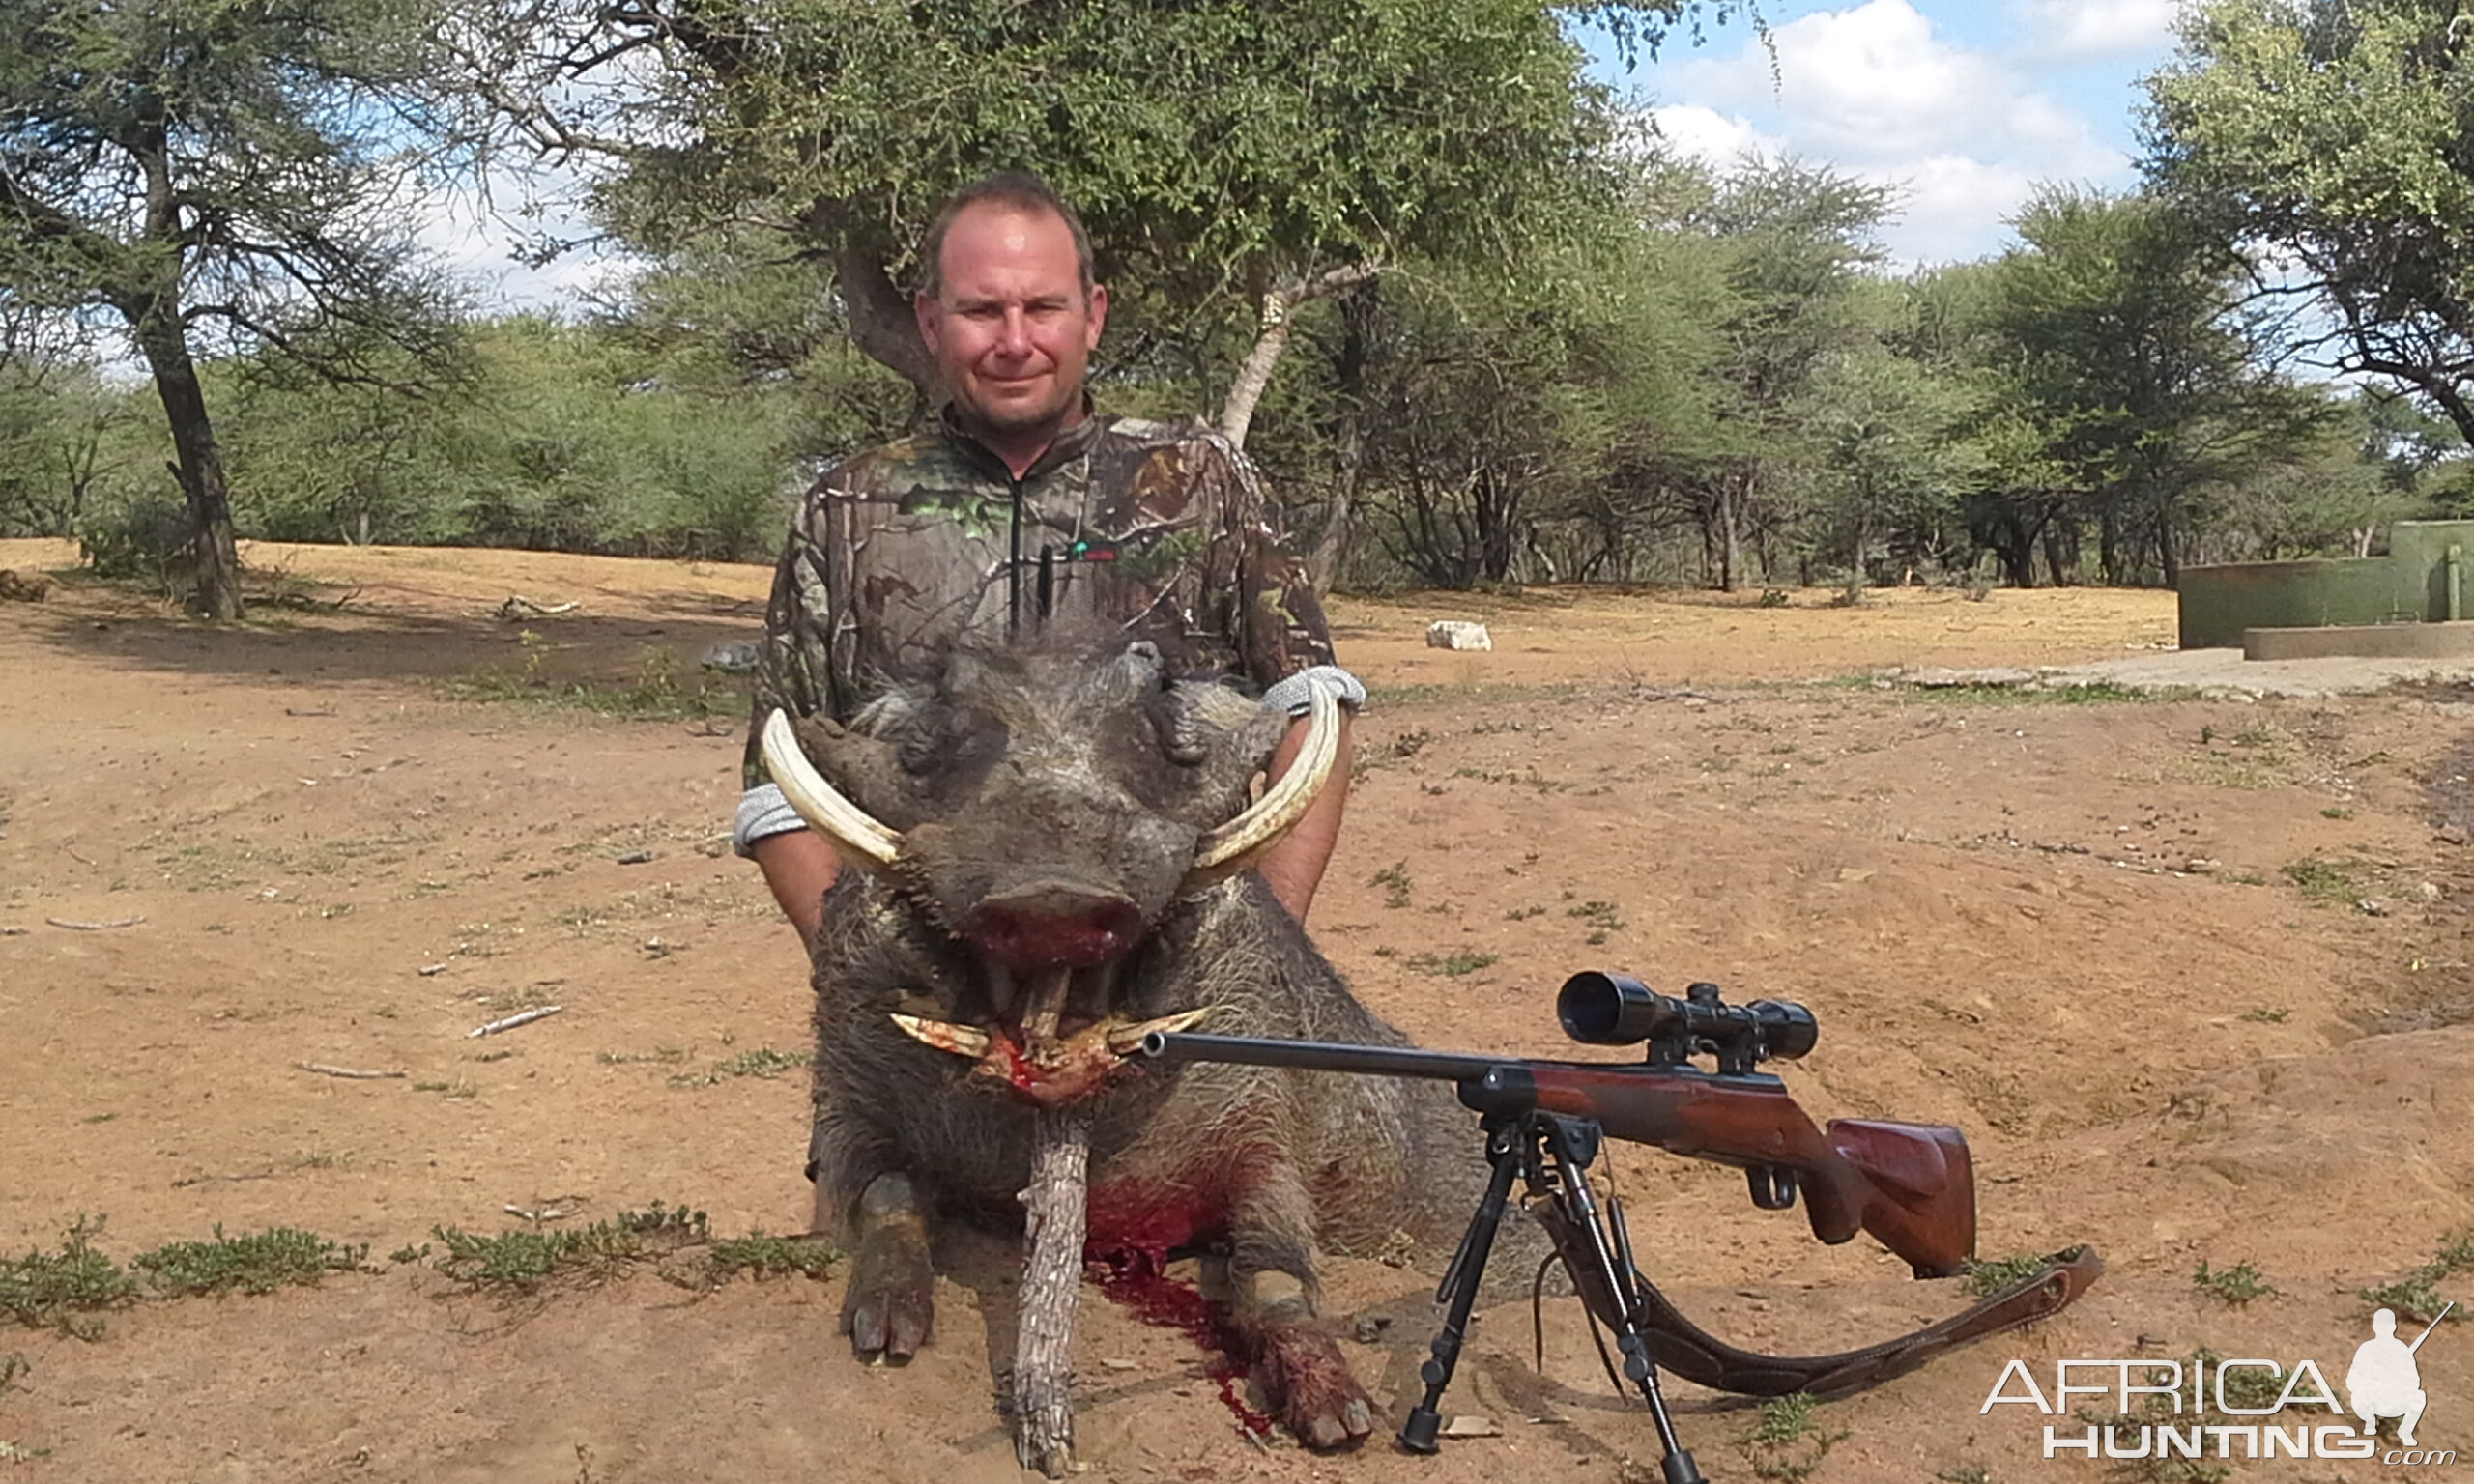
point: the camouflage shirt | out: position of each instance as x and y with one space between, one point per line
1161 530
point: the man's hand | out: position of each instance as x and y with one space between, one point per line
1294 867
799 865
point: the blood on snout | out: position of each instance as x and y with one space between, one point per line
1053 931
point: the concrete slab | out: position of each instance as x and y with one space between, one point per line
2225 671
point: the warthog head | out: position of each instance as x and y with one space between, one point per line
1039 813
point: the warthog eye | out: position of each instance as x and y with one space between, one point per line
947 743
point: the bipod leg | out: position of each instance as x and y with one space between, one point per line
1507 1143
1573 1145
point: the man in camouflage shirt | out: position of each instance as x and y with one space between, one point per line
1022 508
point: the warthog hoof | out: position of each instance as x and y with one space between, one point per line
890 1306
1310 1387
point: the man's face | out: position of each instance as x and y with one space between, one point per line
1009 328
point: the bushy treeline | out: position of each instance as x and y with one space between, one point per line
1477 327
1725 384
593 436
1736 391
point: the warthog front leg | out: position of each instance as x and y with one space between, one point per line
1272 1295
890 1306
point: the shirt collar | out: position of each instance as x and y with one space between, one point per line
1069 444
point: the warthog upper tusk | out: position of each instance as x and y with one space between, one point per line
853 829
959 1039
1235 845
1126 1040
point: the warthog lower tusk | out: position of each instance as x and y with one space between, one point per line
959 1039
850 829
1237 845
1121 1038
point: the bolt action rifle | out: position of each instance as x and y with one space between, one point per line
1910 1186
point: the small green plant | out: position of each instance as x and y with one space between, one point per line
528 1260
1787 1441
2262 1014
763 1062
1394 881
1771 597
668 1056
260 1263
2334 813
2233 1286
1399 748
760 1256
1966 1473
51 1290
2416 1294
1524 914
654 694
1451 965
1985 1276
2322 881
1601 917
1530 777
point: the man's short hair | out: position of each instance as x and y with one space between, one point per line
1017 189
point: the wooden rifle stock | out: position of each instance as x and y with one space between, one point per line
1911 1185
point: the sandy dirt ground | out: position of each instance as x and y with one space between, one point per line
2189 972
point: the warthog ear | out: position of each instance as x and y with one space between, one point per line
1197 719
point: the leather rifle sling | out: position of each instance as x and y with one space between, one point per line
1685 1349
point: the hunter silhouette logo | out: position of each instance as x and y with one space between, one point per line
2166 1410
2384 1382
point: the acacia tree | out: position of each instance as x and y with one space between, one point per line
2121 321
1233 162
1797 238
211 171
2334 131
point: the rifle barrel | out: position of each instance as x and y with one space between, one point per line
1320 1056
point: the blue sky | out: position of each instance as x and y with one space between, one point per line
1963 106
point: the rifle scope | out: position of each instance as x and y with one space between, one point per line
1602 1008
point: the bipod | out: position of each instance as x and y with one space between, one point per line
1551 1155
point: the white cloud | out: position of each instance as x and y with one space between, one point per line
1707 134
2086 30
1874 92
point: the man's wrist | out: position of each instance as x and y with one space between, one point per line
1294 696
764 811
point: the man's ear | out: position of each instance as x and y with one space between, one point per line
922 310
1099 316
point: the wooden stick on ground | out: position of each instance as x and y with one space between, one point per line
521 1017
80 927
365 1074
1054 1211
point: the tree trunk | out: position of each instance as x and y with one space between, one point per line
1330 548
2061 552
215 559
1730 534
1255 374
882 324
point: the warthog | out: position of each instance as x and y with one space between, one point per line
1054 847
